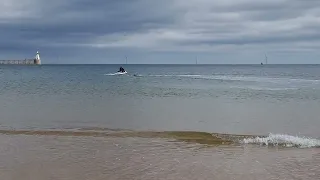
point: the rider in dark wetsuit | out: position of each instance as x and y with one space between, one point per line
121 69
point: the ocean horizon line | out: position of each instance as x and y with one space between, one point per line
163 64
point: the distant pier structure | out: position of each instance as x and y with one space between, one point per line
35 61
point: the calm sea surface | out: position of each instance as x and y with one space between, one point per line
281 102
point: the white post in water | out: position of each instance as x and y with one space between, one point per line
38 61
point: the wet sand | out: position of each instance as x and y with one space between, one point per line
186 136
35 155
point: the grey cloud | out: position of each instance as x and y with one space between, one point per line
121 26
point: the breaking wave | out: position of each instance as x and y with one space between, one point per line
283 140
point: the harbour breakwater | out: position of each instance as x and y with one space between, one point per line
35 61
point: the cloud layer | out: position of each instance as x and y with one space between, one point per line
167 31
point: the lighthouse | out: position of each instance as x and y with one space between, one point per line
37 59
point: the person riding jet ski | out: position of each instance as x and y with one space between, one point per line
121 70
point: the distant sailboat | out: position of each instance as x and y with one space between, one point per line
196 59
266 58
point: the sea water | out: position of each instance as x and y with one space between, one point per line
277 104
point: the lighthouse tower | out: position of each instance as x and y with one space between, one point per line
37 60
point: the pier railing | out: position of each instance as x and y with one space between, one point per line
26 61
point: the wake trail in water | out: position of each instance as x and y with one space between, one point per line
283 140
276 80
240 78
114 74
111 74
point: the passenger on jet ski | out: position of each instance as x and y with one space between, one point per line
121 70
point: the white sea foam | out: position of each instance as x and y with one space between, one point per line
283 140
114 74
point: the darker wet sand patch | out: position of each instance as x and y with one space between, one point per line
185 136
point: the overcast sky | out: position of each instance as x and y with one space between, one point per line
161 31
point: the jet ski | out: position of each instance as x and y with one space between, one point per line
121 71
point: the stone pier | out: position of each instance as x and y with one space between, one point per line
35 61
